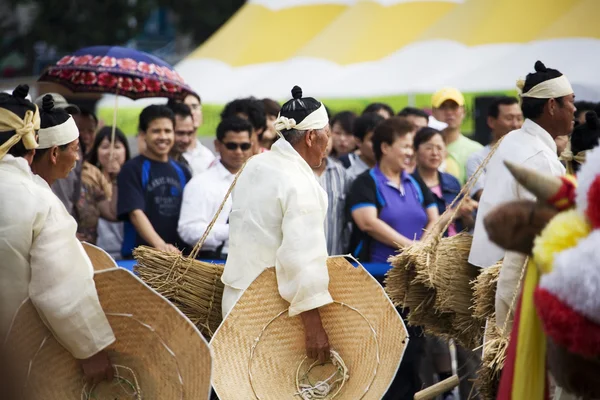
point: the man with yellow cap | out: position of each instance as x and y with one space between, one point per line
547 101
41 257
448 106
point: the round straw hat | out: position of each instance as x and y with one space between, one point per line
259 351
158 354
100 259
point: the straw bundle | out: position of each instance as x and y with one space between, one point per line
433 278
195 287
494 355
484 291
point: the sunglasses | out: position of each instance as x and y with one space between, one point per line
234 146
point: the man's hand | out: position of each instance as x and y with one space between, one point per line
317 341
467 208
514 225
169 248
97 368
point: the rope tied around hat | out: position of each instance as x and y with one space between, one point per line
124 383
330 387
321 389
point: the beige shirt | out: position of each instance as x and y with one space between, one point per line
534 148
277 219
41 259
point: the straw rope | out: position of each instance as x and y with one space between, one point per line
322 389
200 243
88 394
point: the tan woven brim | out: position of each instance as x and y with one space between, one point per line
100 259
282 346
168 354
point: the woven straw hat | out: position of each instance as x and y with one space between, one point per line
158 350
100 259
362 325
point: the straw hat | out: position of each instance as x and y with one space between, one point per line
259 338
100 259
158 353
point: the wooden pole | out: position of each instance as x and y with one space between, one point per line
432 391
114 127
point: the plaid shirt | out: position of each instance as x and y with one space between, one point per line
336 183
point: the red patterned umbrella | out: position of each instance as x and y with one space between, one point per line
118 70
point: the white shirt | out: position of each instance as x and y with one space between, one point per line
199 158
473 164
202 197
277 219
358 167
43 260
534 148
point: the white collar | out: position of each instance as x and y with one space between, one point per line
535 130
221 171
18 163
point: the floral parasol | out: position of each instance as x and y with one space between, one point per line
118 70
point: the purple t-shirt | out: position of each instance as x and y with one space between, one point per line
402 208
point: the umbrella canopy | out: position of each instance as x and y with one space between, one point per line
119 70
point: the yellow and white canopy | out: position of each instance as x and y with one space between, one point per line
359 48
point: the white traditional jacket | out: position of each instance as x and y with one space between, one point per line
534 148
277 219
41 258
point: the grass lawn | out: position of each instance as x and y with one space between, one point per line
127 119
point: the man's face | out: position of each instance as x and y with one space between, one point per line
235 149
450 113
366 147
318 144
159 138
64 160
417 121
184 134
194 104
87 130
563 115
509 118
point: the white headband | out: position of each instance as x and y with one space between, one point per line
58 135
550 89
318 119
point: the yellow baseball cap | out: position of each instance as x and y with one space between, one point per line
447 93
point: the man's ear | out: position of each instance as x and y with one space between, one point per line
309 137
54 154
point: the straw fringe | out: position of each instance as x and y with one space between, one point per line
433 278
494 356
484 291
193 286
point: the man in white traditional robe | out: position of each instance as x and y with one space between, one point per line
548 108
40 255
277 219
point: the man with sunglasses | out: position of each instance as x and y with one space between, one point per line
202 197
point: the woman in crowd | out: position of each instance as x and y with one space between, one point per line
388 208
387 205
109 232
342 126
430 151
